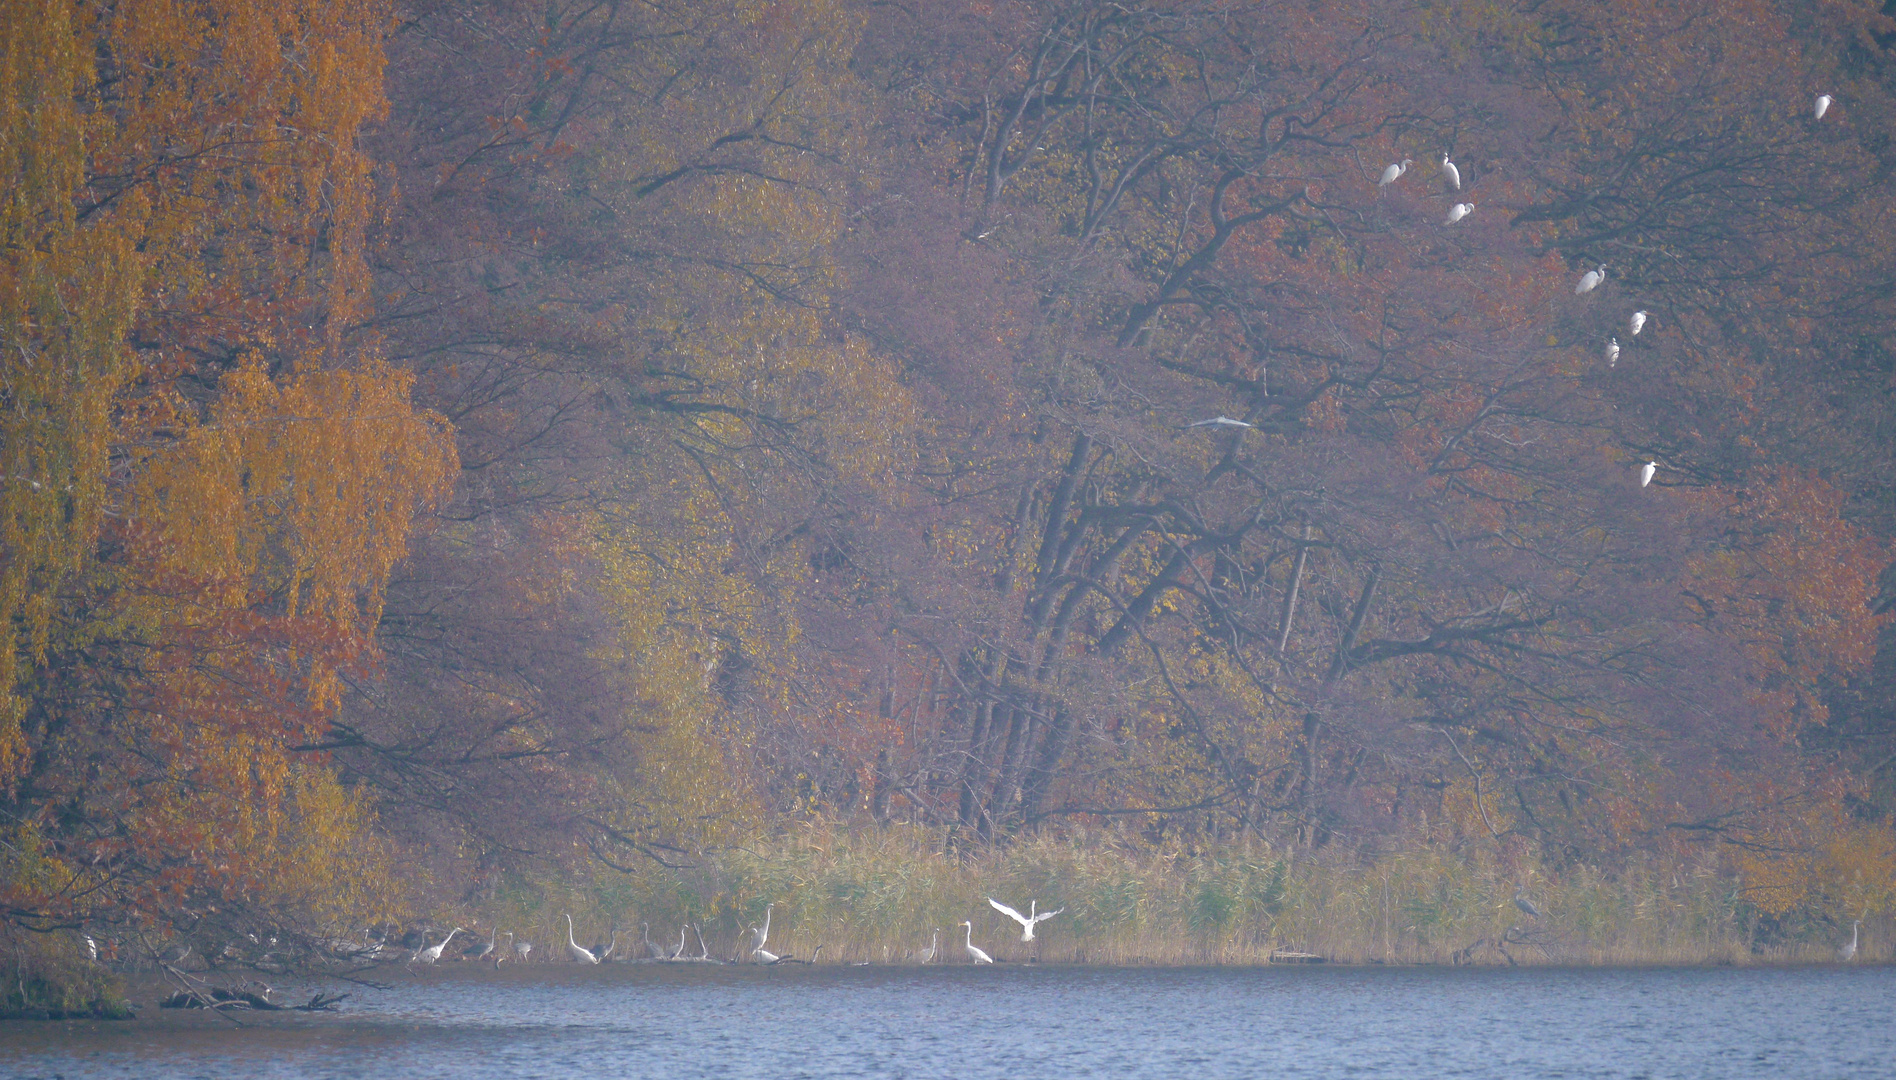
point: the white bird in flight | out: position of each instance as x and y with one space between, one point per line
1635 323
1452 173
1612 351
1394 173
1823 105
1458 212
1218 421
1646 471
1590 280
1028 921
975 954
580 952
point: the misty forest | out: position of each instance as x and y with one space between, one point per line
1262 477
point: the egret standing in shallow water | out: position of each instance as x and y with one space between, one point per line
1458 212
1394 173
1635 323
975 954
1451 173
1823 105
928 954
1645 473
1847 953
580 952
523 950
430 955
1027 921
1590 280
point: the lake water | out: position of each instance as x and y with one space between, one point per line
1022 1022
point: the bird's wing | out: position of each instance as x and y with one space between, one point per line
1008 911
1045 915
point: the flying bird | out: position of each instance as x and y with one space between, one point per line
1218 421
1458 212
1452 174
975 954
1823 105
1028 921
1590 280
1612 351
1394 173
1646 471
1635 323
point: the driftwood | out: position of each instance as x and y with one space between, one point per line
218 997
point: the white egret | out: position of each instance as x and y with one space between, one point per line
1521 901
928 954
1457 212
580 953
1646 471
975 954
1635 323
1612 351
1218 421
430 955
680 950
1847 953
1823 105
1027 921
523 950
1394 173
652 948
758 953
1590 280
1451 173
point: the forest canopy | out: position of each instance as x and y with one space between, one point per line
444 445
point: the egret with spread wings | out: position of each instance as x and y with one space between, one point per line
1028 921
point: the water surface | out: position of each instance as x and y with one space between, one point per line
1023 1022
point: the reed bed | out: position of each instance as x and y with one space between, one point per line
878 895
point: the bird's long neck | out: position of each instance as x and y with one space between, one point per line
766 930
569 933
1853 934
970 929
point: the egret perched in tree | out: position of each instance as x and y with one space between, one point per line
1521 901
430 955
1612 351
1635 323
1646 471
975 954
580 953
1218 421
1847 953
1394 173
1451 173
1027 921
1823 105
1457 212
1590 280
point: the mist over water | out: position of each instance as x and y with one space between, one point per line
1024 1022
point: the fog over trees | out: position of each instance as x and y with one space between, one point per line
450 441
